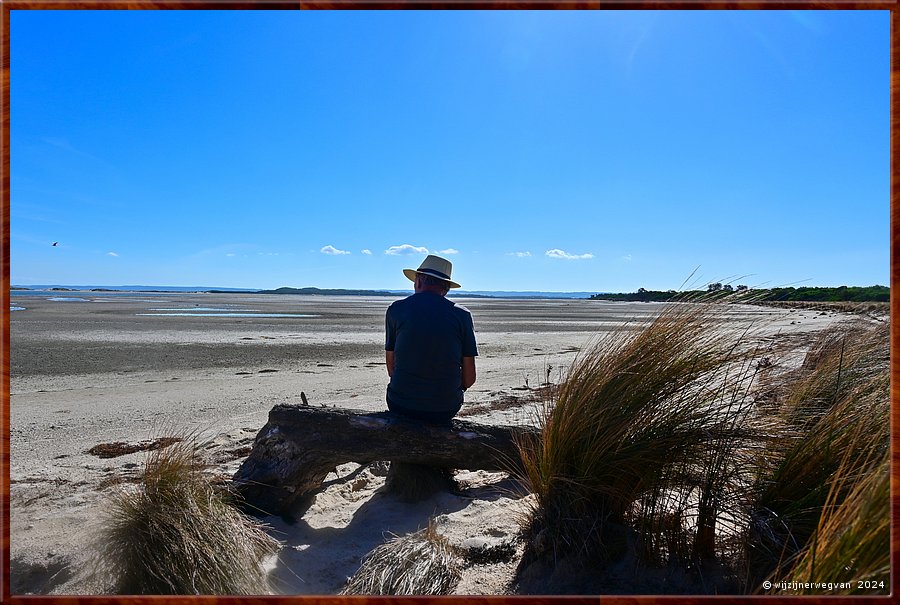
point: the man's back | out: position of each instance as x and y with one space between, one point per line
429 336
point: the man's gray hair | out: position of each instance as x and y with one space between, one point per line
431 281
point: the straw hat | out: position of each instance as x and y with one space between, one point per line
435 266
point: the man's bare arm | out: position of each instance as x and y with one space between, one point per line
468 372
389 362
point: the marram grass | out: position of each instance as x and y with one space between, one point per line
632 424
176 533
421 563
851 543
653 444
835 432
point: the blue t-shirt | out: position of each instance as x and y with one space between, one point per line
429 336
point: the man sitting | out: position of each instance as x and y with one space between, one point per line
430 346
430 355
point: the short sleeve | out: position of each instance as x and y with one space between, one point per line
390 330
469 348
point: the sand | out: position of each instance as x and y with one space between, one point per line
107 368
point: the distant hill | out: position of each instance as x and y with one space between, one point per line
305 290
106 288
839 294
345 292
808 294
327 292
523 294
452 294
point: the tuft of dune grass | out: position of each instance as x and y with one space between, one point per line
421 563
835 434
848 362
653 445
643 422
852 540
175 532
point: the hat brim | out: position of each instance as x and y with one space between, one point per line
411 276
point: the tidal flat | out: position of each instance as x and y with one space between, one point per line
89 368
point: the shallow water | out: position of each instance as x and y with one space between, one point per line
226 314
197 309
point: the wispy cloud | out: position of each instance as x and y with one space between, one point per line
406 249
810 21
519 254
557 253
637 44
65 145
231 254
329 249
112 254
367 252
627 258
449 251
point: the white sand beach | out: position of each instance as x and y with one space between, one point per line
104 368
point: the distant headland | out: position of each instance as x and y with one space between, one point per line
309 290
875 293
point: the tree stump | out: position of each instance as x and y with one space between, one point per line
300 445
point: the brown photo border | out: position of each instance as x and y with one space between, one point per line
8 5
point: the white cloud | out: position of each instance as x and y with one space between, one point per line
332 250
231 254
111 254
406 249
449 251
627 258
367 252
557 253
519 254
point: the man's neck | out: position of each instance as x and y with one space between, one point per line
430 291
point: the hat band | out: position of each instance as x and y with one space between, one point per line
435 273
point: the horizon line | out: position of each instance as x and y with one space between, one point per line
173 288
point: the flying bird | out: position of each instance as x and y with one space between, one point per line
55 243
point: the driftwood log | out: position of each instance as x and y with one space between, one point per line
300 445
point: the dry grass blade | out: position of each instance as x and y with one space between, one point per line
177 533
835 429
653 441
632 416
421 563
840 362
852 540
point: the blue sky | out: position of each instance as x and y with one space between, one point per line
557 151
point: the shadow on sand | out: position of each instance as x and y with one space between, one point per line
319 560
